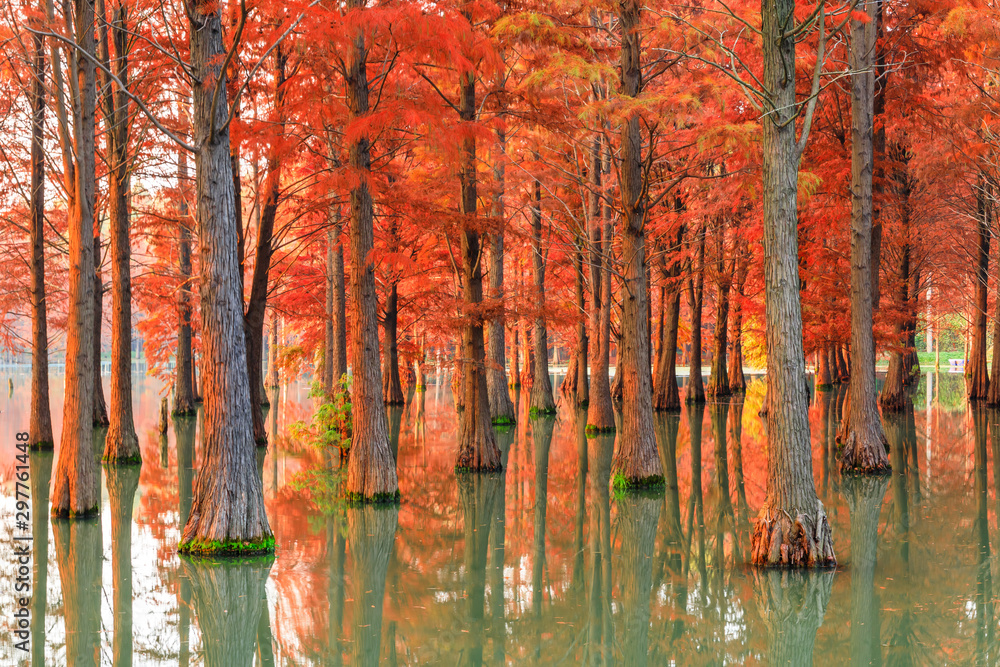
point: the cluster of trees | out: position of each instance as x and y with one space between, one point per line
483 179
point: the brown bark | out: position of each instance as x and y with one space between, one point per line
328 352
122 444
737 381
371 470
228 504
861 433
541 401
502 410
477 448
694 391
718 378
791 491
575 385
977 378
79 556
843 371
184 397
100 404
371 532
392 388
600 412
666 394
76 487
636 458
40 424
893 397
122 483
273 379
824 380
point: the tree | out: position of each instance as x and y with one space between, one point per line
184 396
541 402
600 413
718 379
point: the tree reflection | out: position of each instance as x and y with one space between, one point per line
229 597
395 424
184 437
864 494
600 629
985 622
371 531
478 495
739 479
580 428
40 465
122 481
506 437
79 550
667 425
792 604
336 549
541 429
696 502
638 515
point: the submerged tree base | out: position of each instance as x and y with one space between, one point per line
61 513
541 412
359 499
478 471
859 458
503 420
778 540
593 431
42 446
134 460
225 548
652 483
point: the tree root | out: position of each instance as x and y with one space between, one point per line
778 540
861 458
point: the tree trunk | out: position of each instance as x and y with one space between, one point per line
718 378
636 458
340 343
328 348
843 372
79 555
600 412
575 384
542 402
122 444
666 396
977 378
893 397
737 382
184 395
40 424
824 381
861 433
76 485
122 484
273 380
806 540
371 532
227 511
502 410
695 390
371 470
477 448
100 404
392 388
864 498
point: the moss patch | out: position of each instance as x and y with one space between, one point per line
377 499
537 412
477 471
421 388
504 428
135 460
594 431
226 548
42 447
262 443
503 420
651 484
73 514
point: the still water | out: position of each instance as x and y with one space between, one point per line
543 564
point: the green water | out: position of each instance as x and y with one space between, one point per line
544 564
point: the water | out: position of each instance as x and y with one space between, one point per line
541 565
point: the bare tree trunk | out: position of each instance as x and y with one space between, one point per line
227 512
718 379
666 395
695 390
371 470
575 385
823 378
328 351
477 448
864 445
76 486
502 410
371 532
79 556
273 379
40 425
542 402
843 371
737 382
977 377
636 458
600 412
122 444
893 397
392 388
100 405
184 396
806 540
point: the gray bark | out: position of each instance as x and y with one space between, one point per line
541 401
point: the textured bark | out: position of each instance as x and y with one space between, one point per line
737 382
371 532
478 496
228 599
666 394
40 424
541 401
273 379
40 467
694 391
392 388
793 605
600 626
993 393
600 412
636 458
843 371
371 470
502 410
575 385
864 498
184 396
477 448
791 491
824 380
893 397
76 486
79 555
122 483
718 378
977 378
328 352
122 443
638 517
100 404
228 503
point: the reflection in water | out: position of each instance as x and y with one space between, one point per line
638 515
184 436
579 523
395 423
229 597
478 495
671 558
371 530
696 503
864 494
506 437
739 479
902 623
40 465
600 629
78 545
541 430
122 481
792 604
985 623
336 549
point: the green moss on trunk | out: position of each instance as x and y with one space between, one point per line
226 548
